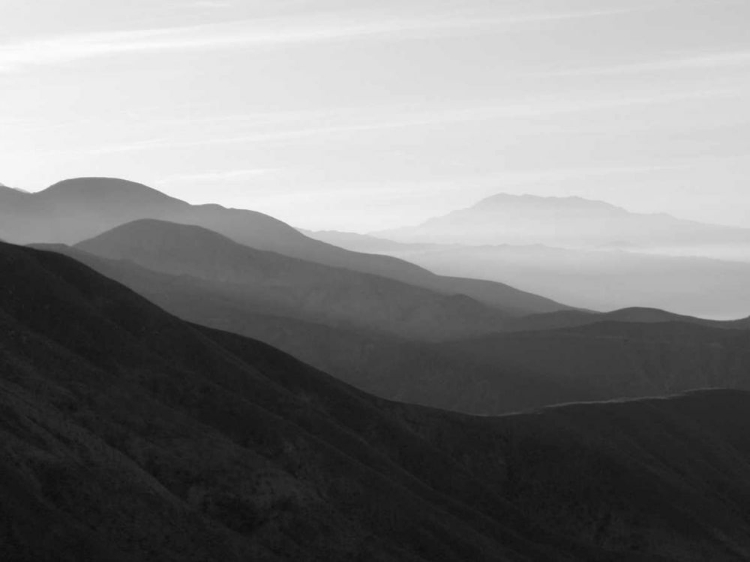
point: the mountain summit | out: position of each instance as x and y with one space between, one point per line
572 222
81 191
535 203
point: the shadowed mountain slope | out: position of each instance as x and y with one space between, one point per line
383 364
128 434
575 318
284 286
655 353
77 209
623 358
220 284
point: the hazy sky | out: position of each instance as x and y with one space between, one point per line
369 114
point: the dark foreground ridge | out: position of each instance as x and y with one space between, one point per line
127 434
556 358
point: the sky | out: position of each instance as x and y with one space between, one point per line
364 115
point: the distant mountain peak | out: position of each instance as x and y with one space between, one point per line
7 188
104 187
538 202
165 231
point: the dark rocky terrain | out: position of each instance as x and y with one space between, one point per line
616 359
128 434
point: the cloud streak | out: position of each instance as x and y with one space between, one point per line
255 33
216 176
696 62
300 125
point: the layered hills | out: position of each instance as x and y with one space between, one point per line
592 278
128 434
381 336
78 209
290 287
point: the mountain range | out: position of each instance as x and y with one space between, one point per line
313 313
376 356
572 222
291 287
77 209
397 340
128 435
599 276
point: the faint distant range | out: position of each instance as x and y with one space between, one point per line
574 222
594 279
588 254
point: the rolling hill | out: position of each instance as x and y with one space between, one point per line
74 210
601 279
616 359
385 364
128 434
548 359
640 315
284 286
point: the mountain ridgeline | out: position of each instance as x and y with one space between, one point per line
567 222
75 210
588 254
287 286
377 332
311 312
131 435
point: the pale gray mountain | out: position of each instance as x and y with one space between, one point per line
289 287
604 280
74 210
590 279
571 222
363 242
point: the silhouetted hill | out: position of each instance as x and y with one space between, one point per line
615 359
568 222
574 318
384 364
285 286
128 434
77 209
489 375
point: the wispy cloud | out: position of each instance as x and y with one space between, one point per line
216 176
694 62
259 33
292 126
